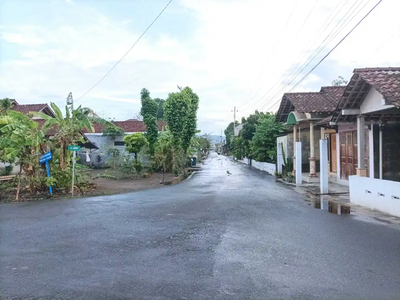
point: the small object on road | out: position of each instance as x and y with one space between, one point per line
229 173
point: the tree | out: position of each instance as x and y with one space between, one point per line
263 143
149 112
238 147
180 112
160 110
164 151
134 143
339 81
113 131
190 122
230 134
68 130
248 130
22 142
5 105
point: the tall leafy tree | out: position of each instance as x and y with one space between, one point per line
190 122
160 110
180 111
134 143
149 112
230 134
263 143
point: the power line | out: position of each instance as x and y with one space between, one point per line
269 60
320 48
317 51
309 72
291 70
134 44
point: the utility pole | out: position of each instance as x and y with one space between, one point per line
70 101
234 115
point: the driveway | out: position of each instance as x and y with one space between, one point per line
218 235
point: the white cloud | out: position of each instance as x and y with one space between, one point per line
222 59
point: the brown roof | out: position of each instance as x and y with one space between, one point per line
324 101
335 91
311 102
131 125
385 80
26 108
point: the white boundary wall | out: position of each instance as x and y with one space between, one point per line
382 195
262 166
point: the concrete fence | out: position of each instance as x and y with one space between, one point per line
382 195
262 166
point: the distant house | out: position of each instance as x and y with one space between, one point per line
128 127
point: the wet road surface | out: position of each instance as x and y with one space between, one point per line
229 232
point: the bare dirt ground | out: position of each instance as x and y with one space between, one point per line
97 187
116 186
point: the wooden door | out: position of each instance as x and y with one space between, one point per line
348 153
333 156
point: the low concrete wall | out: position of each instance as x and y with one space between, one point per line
262 166
382 195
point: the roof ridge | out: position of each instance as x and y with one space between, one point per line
376 69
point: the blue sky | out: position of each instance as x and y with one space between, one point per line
230 52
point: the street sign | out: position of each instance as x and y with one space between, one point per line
74 148
46 157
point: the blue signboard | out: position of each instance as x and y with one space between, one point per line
45 158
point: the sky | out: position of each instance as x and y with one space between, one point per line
243 53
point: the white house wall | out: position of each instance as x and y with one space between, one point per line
382 195
374 101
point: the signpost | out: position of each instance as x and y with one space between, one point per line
45 158
74 149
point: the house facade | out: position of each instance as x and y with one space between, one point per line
104 143
368 125
362 130
302 111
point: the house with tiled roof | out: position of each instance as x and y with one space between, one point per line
367 121
105 142
302 111
362 129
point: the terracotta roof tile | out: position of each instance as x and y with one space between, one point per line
131 125
312 102
385 80
335 91
26 108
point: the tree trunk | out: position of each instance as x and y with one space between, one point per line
19 183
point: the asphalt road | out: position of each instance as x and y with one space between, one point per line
214 236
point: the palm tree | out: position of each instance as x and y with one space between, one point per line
22 142
5 105
68 130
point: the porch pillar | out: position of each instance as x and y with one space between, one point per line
313 170
361 171
380 152
294 148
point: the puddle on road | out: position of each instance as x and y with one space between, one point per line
330 206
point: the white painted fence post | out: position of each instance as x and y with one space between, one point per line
299 175
279 158
323 166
